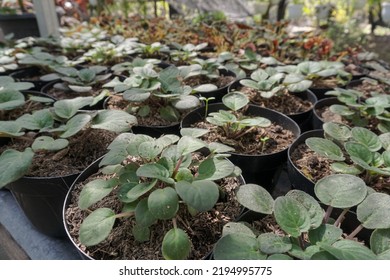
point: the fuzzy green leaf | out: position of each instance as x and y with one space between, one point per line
97 226
270 243
14 165
114 120
94 191
176 245
48 143
325 148
163 203
373 211
238 247
255 198
200 195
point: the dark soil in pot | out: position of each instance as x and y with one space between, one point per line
204 229
297 106
368 87
320 87
153 124
42 191
259 162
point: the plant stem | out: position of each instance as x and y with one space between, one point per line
124 215
177 166
245 132
327 214
356 231
341 217
301 242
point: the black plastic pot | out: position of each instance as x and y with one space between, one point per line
89 171
303 119
297 178
20 25
220 92
31 75
41 200
320 92
260 169
317 121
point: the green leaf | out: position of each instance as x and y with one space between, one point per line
279 257
97 226
218 148
114 120
291 216
10 128
75 124
193 132
38 120
186 102
336 131
340 190
237 228
142 214
214 169
385 140
380 241
367 138
270 243
14 165
163 203
325 148
360 151
187 145
249 83
11 99
314 209
373 212
136 95
341 110
306 254
86 75
259 75
255 198
323 255
139 190
300 86
348 250
205 88
325 233
80 89
94 191
309 67
342 167
140 233
150 150
168 113
238 247
200 195
235 100
176 245
155 170
47 143
67 108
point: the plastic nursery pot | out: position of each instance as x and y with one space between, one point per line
317 120
87 172
42 199
22 25
260 169
220 92
31 75
84 175
297 178
303 119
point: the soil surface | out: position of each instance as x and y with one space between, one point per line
220 82
252 142
83 149
28 108
286 103
203 229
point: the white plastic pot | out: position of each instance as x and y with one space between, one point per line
386 12
294 11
